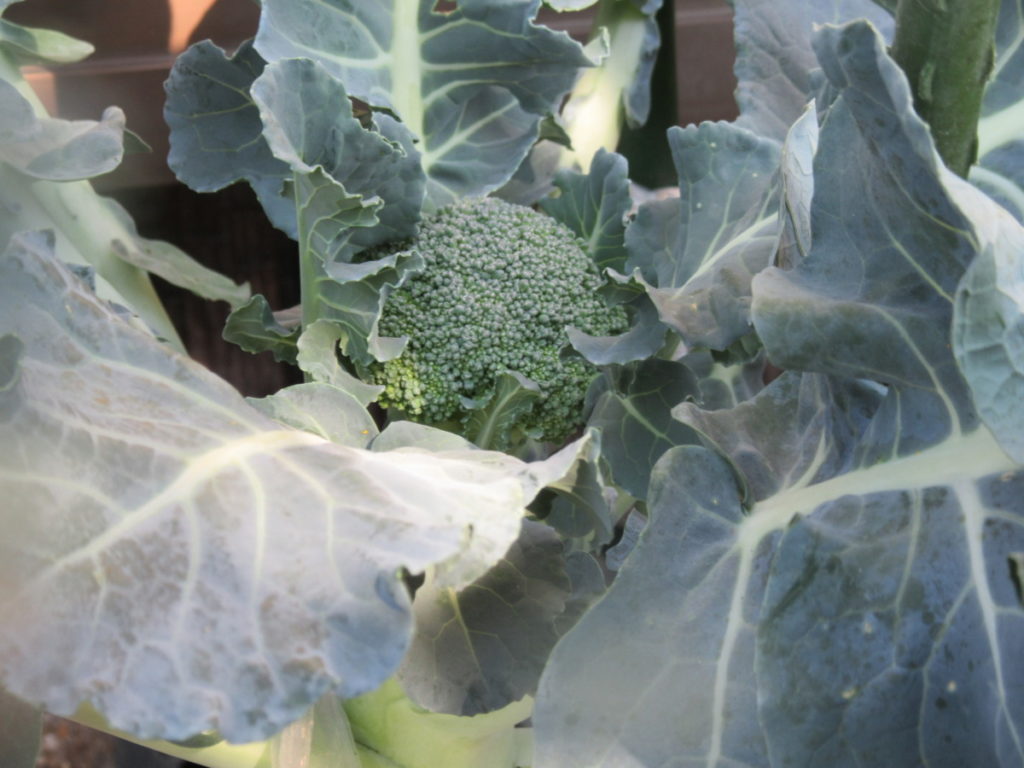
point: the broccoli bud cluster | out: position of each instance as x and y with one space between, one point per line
501 284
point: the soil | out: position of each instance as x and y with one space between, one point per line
69 745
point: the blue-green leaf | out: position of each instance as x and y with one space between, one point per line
182 561
252 327
483 647
579 505
595 206
57 150
169 262
774 58
471 85
632 407
843 583
352 295
216 131
318 348
988 324
494 416
335 161
878 306
698 253
323 409
28 44
644 338
797 171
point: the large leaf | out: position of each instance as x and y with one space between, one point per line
988 330
632 406
252 326
471 85
595 206
184 562
842 589
483 647
1000 169
39 45
57 150
169 262
216 132
774 58
322 409
335 161
698 253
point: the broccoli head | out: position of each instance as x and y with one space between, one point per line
501 284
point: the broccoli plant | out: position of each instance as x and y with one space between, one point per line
789 533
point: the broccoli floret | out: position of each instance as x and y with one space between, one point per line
501 284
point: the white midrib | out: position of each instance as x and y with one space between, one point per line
407 66
957 462
974 522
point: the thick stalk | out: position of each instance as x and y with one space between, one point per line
86 229
946 49
594 115
222 755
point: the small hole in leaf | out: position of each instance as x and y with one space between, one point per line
444 6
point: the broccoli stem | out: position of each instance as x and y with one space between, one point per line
946 49
222 755
594 114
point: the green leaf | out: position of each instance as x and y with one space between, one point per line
697 254
21 728
595 206
483 647
252 326
725 384
988 323
668 600
29 44
797 171
471 85
1000 168
352 295
409 434
318 357
790 413
184 562
775 60
643 339
493 417
632 407
57 150
330 148
834 590
167 261
216 132
878 306
323 410
579 505
588 585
